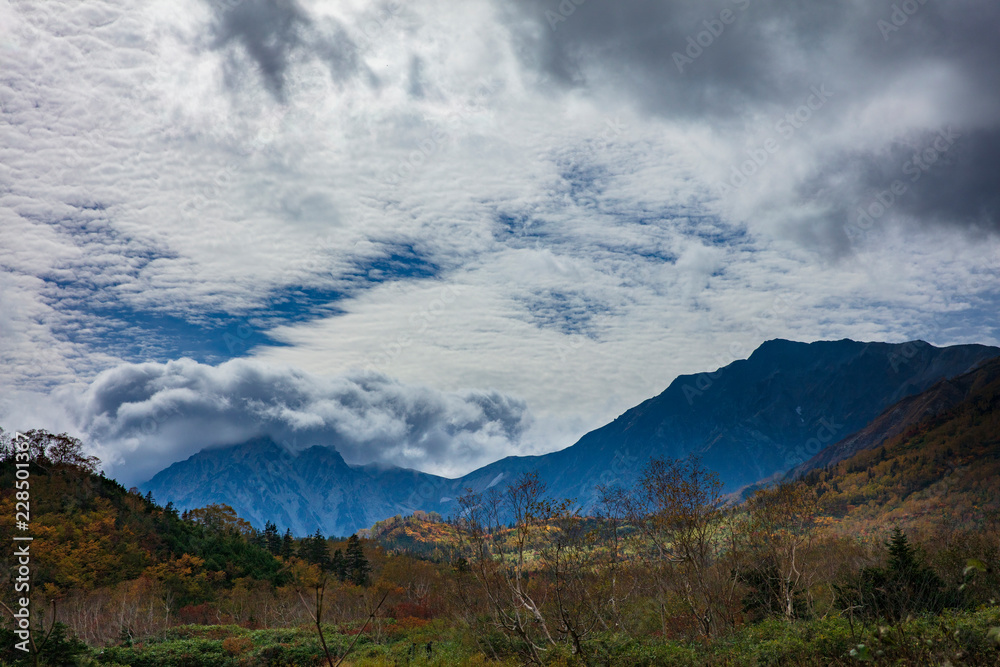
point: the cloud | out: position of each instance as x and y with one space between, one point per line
898 72
274 33
467 194
140 418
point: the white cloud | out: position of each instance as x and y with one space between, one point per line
139 418
212 170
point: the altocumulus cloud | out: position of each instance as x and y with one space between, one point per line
141 418
320 172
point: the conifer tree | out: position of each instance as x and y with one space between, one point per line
287 544
272 542
317 552
902 557
357 565
339 565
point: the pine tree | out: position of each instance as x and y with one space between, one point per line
902 557
357 565
257 539
272 542
905 586
317 552
339 565
287 544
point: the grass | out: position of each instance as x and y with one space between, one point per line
959 638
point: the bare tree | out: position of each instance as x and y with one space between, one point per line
679 511
777 526
498 557
611 563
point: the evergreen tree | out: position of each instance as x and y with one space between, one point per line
905 586
317 552
287 544
339 565
902 557
272 541
357 565
257 539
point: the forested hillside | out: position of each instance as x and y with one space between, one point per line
942 471
665 572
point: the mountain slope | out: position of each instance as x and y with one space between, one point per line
902 416
941 470
305 491
751 420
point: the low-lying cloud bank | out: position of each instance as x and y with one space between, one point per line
140 418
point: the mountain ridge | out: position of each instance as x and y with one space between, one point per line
750 420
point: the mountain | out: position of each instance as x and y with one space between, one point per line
942 469
314 489
97 535
902 417
753 419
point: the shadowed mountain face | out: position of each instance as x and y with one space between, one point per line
945 397
931 460
753 419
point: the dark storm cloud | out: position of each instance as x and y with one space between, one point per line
724 61
275 32
950 177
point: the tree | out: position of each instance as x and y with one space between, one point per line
776 525
679 510
499 558
355 562
905 586
338 565
218 518
48 449
272 541
65 450
287 544
316 551
569 561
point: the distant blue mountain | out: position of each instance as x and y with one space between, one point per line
751 420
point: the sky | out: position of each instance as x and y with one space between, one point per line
432 234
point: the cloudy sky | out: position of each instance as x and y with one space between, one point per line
433 233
